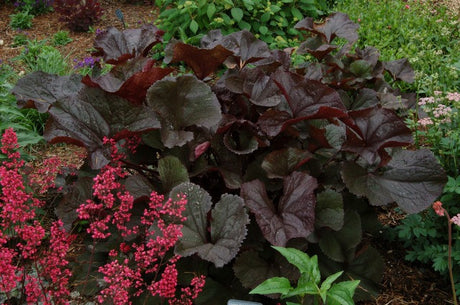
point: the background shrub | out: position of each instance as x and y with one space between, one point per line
35 7
271 21
79 15
21 20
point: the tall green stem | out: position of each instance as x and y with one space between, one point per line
449 260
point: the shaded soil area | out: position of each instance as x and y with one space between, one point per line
402 284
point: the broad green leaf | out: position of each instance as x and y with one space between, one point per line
296 257
244 25
265 17
194 26
172 172
342 293
211 10
296 13
309 288
327 283
263 30
273 285
237 14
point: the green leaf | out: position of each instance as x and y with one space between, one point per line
308 288
194 26
342 293
296 13
265 17
244 25
263 30
172 172
281 163
296 257
326 285
273 285
237 14
211 10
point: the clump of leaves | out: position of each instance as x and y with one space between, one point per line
272 22
21 20
61 38
308 284
79 15
266 154
35 7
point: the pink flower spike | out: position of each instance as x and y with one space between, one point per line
407 6
456 219
437 207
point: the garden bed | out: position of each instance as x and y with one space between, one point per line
403 283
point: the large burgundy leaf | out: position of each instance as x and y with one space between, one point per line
412 179
400 69
281 163
202 61
306 99
295 214
336 25
115 46
227 226
130 79
40 90
372 130
85 119
316 47
246 48
182 102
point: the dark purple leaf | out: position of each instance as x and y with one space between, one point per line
93 114
138 186
400 69
130 79
316 47
373 130
40 90
246 48
272 121
412 179
227 226
116 47
281 163
336 25
202 61
295 214
80 191
182 102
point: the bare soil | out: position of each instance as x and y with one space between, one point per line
402 284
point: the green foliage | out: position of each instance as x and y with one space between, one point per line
61 38
418 30
38 56
22 120
20 39
271 21
21 20
308 284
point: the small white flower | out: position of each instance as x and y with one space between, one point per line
21 73
1 42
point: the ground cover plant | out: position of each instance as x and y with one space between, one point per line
426 34
265 154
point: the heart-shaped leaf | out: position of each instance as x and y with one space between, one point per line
181 102
295 214
115 46
227 226
412 179
40 90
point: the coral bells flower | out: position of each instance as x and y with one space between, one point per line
456 220
437 207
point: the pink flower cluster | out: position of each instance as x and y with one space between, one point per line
30 261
